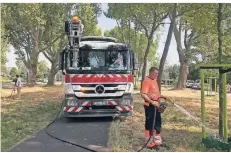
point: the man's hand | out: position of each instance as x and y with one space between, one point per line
155 103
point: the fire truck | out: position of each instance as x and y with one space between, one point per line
98 74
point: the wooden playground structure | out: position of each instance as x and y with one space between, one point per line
222 142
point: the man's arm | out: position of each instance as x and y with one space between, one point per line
147 99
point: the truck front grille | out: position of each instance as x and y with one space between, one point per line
93 91
105 85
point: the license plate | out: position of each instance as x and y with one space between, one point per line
100 103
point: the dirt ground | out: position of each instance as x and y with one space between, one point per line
179 131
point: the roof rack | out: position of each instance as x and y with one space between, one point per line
98 38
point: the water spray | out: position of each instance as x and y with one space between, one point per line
211 133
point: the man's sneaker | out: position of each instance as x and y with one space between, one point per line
150 144
157 140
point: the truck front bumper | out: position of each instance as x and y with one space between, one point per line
111 107
97 113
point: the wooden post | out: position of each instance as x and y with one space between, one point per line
221 99
225 121
202 103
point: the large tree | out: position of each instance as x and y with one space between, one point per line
138 14
191 22
62 13
27 26
4 42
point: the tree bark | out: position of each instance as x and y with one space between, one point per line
166 48
145 60
219 19
31 65
183 75
183 61
32 75
51 77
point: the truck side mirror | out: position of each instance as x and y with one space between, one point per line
61 61
67 27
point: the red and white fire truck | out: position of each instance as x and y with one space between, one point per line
98 75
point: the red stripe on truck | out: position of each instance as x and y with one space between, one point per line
94 78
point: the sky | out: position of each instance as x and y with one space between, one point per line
106 24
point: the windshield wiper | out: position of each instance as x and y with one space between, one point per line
118 71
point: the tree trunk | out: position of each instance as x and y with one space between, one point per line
32 75
145 59
51 78
166 47
219 19
144 69
183 75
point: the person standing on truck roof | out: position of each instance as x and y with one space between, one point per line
150 93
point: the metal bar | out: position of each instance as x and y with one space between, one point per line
215 86
213 66
202 103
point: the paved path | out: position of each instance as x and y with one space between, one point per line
86 132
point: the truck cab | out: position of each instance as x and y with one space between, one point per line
101 83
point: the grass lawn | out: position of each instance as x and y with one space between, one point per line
22 118
39 105
180 132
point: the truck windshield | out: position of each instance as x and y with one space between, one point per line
100 60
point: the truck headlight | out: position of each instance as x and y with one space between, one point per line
129 88
68 89
126 102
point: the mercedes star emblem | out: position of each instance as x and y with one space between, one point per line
99 89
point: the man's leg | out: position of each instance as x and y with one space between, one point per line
157 136
149 116
19 92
